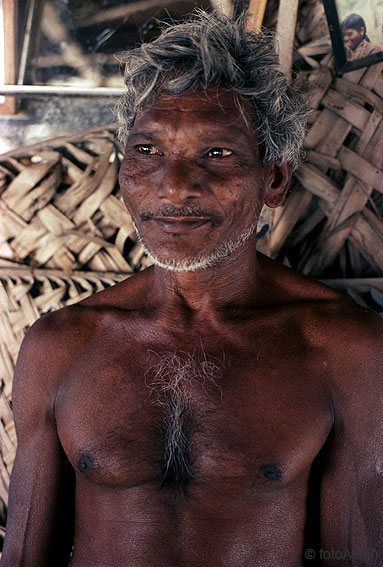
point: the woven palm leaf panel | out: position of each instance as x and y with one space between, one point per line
331 225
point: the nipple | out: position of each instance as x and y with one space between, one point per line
85 463
270 472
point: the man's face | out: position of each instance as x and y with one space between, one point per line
192 179
352 37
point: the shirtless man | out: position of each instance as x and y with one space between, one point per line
217 409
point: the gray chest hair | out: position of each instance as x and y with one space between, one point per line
172 382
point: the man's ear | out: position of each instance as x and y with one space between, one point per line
276 179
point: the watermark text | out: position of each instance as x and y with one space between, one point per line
341 555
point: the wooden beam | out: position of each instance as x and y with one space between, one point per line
287 19
226 6
257 10
129 10
10 43
60 90
71 50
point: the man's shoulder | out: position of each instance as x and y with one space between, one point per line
342 326
129 294
66 331
307 297
51 342
374 49
125 296
44 355
328 317
348 338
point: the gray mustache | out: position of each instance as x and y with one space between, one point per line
184 211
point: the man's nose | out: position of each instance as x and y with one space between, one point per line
180 181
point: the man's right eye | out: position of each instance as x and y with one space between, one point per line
147 149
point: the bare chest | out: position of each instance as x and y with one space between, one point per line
181 421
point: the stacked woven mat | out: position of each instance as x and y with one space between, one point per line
66 234
331 225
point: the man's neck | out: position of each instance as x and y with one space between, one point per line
232 282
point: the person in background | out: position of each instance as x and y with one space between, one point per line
356 40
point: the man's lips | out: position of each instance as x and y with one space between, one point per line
180 225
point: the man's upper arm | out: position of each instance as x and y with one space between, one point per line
40 520
352 482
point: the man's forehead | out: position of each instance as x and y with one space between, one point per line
210 97
212 105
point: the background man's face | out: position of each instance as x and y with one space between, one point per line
352 37
192 177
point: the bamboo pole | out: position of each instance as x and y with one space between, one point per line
47 90
9 23
287 19
257 10
226 6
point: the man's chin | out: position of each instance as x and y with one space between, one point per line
221 253
182 265
172 263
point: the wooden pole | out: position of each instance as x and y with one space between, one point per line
226 6
257 10
10 37
287 19
48 90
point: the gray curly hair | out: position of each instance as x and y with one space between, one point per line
213 49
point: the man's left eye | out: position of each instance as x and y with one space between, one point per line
219 153
147 149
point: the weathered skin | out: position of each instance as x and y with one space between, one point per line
286 451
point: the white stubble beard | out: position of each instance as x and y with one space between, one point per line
222 252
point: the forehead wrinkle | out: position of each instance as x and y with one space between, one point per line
207 116
168 126
210 102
